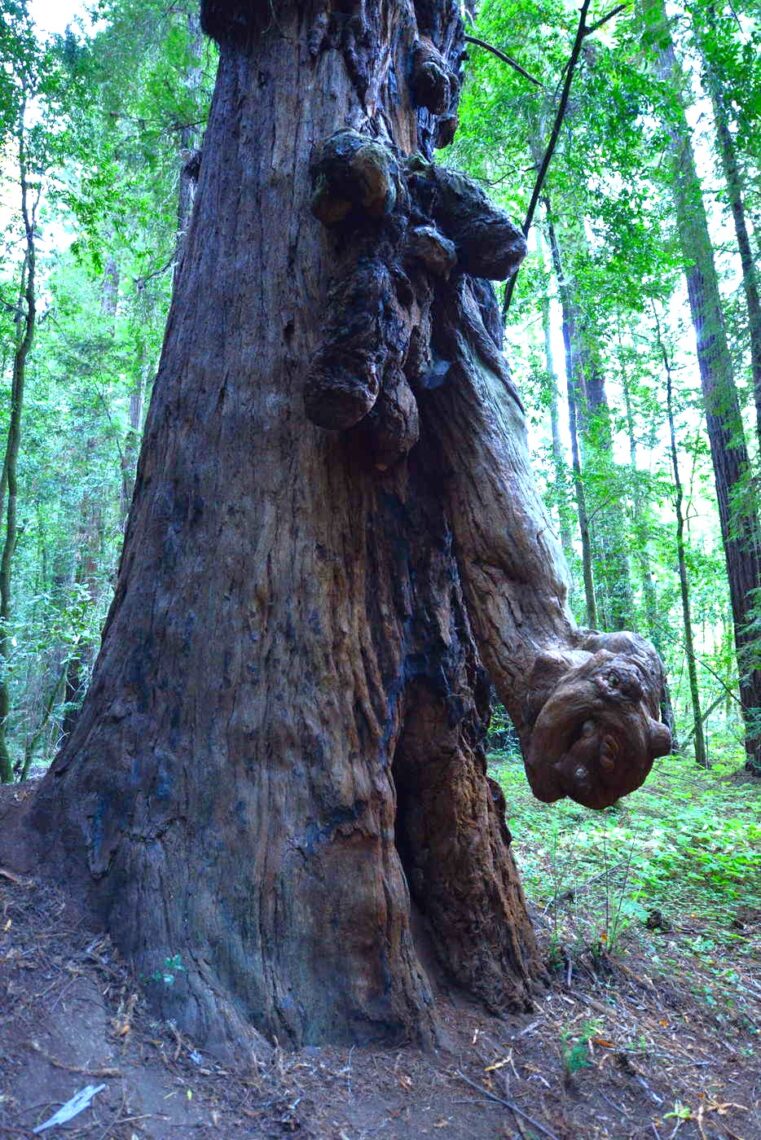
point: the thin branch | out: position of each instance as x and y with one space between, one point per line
604 19
140 282
507 1104
588 31
505 59
573 891
555 134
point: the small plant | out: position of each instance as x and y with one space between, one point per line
167 974
576 1055
680 1113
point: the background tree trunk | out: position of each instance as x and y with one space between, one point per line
26 324
736 196
565 511
737 509
573 394
701 756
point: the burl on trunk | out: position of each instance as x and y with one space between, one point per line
334 525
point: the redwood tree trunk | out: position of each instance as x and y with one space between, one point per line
282 737
737 510
736 194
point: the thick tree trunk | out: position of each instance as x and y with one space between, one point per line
736 194
284 725
737 511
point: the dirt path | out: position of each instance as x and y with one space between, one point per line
608 1055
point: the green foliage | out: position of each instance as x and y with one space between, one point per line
108 122
576 1054
621 286
678 859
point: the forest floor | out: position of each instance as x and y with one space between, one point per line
649 915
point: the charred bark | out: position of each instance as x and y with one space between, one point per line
284 724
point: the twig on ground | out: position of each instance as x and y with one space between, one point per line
507 1104
15 879
73 1068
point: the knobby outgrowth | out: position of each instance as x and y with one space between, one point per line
406 326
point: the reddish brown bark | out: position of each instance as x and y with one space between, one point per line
284 727
738 515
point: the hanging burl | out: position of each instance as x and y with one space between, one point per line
361 339
598 732
426 246
488 243
352 173
432 81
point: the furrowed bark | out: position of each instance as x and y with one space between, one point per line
283 734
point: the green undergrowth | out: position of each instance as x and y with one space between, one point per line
674 869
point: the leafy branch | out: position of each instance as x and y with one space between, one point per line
583 30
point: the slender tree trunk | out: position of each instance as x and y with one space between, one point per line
701 757
132 439
642 536
615 601
573 421
86 577
640 523
558 456
8 480
90 532
190 137
608 528
737 512
282 740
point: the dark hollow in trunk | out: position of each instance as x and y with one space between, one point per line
283 735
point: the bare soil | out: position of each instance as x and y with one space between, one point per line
607 1052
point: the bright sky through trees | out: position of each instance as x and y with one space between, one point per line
56 15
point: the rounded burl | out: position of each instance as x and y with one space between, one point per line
598 733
